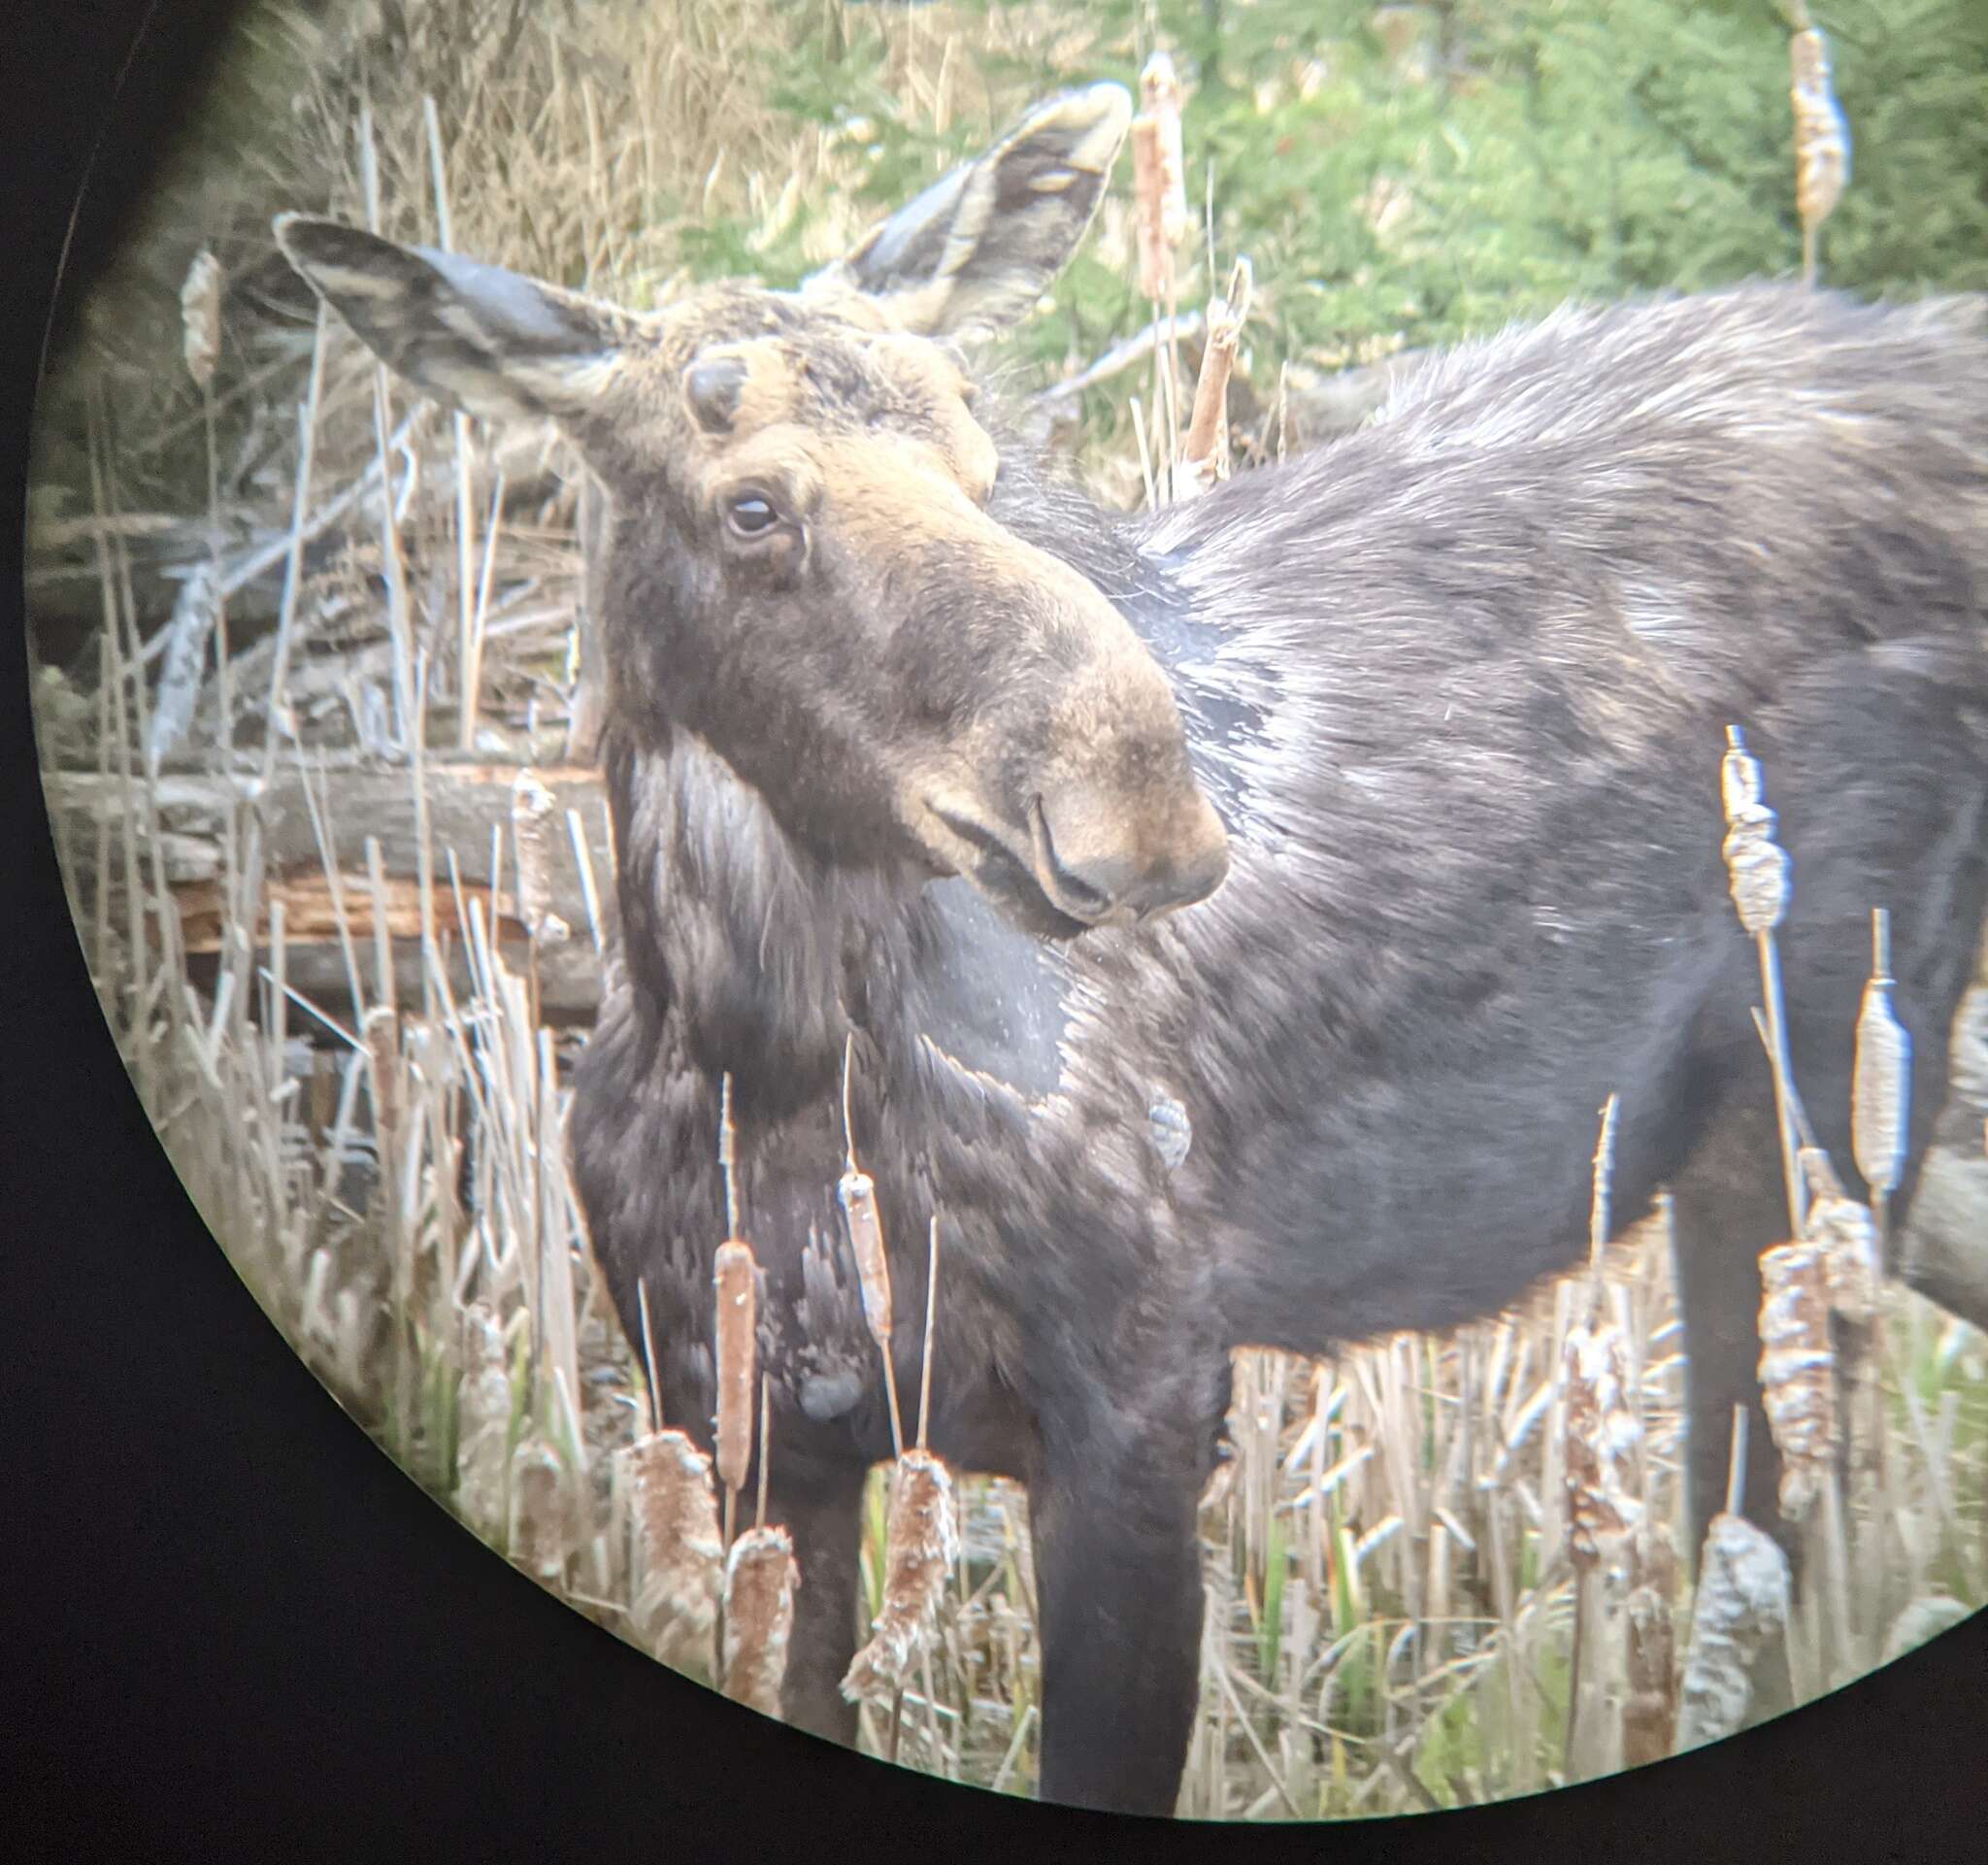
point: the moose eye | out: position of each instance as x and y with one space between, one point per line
750 516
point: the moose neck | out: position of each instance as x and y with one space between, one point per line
760 954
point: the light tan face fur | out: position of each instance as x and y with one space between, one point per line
885 578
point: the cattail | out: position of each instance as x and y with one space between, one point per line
760 1577
736 1342
1650 1708
1205 446
736 1276
1602 1439
677 1549
1159 177
1822 140
1743 1598
1881 1086
1602 1433
540 1511
1846 1234
532 814
1798 1369
1757 871
381 1033
483 1447
920 1545
1756 866
856 1193
200 316
1923 1619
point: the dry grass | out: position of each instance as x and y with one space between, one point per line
1392 1567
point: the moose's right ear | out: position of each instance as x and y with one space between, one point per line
477 337
979 247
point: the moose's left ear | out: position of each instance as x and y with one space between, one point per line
977 247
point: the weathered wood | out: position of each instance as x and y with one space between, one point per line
465 802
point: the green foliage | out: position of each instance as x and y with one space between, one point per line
1409 174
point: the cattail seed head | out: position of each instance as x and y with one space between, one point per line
1159 177
1742 1597
920 1545
200 316
736 1276
1602 1439
381 1033
1845 1232
1738 779
678 1549
534 824
856 1193
1822 134
1880 1091
540 1511
1798 1369
1649 1707
1757 869
483 1410
760 1579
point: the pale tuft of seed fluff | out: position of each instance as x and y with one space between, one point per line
1798 1370
920 1545
760 1579
1743 1598
482 1453
678 1549
200 316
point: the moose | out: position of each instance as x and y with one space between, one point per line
1229 918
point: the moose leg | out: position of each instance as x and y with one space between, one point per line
1119 1605
1727 1206
826 1529
1118 1582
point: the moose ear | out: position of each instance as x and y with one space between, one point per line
977 249
477 337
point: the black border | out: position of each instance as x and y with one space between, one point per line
233 1629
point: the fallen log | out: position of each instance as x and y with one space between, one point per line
189 818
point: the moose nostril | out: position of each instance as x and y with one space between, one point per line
1125 880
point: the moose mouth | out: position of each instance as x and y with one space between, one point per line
1014 883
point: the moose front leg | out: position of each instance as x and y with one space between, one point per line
826 1527
1120 1603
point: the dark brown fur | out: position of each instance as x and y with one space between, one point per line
1458 688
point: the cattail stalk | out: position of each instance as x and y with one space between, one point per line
856 1194
1600 1440
200 315
931 1318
